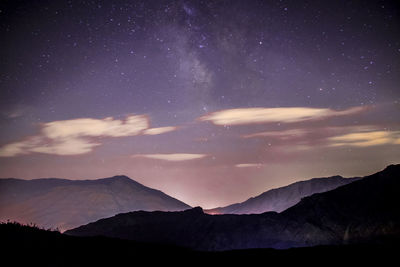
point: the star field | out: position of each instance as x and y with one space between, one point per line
209 101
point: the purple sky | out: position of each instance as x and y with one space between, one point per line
211 102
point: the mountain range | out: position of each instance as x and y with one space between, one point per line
360 212
65 204
282 198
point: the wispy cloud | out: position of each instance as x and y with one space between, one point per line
75 137
248 165
286 134
88 127
42 144
241 116
297 139
365 139
160 130
173 157
64 146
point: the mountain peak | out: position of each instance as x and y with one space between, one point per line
121 177
98 199
336 177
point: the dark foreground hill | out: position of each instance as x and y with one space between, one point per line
280 199
28 246
65 204
360 212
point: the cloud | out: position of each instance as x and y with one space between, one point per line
160 130
333 136
66 147
286 134
365 139
75 137
248 165
132 125
241 116
14 149
173 157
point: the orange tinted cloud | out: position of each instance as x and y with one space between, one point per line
248 165
160 130
75 137
108 127
173 156
241 116
281 134
365 139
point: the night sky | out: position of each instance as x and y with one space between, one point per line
211 102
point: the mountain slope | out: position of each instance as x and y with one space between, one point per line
363 211
282 198
65 204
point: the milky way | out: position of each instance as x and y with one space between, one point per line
210 101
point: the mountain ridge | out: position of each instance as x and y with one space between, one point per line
363 211
65 204
281 198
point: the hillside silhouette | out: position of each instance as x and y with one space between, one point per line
360 212
30 246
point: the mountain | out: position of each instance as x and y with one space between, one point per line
66 204
36 247
360 212
282 198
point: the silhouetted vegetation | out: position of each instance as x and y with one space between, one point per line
26 227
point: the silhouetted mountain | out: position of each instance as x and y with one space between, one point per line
28 246
282 198
363 211
66 204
